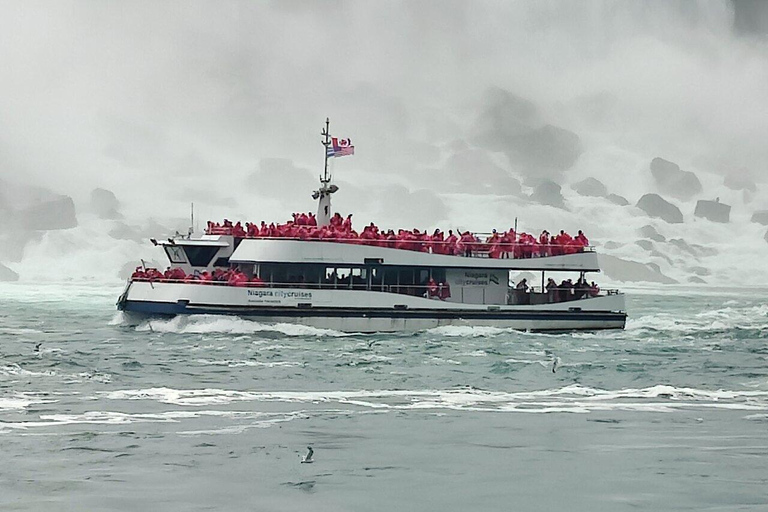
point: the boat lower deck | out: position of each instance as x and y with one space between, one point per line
365 311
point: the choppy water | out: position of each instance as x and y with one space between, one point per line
213 413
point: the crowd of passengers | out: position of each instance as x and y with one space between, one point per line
231 277
565 291
507 244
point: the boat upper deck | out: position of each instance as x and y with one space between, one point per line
281 250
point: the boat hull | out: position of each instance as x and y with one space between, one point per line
365 311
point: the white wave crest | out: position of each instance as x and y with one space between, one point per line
213 324
752 317
573 398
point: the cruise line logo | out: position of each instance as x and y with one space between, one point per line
279 294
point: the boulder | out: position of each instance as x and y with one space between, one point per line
696 280
58 213
503 117
655 206
548 192
740 179
692 249
547 150
514 126
713 210
673 181
590 187
649 231
645 244
699 271
122 231
760 217
473 170
617 199
631 271
7 274
105 204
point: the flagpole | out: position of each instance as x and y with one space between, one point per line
327 142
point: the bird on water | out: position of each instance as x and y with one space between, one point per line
307 459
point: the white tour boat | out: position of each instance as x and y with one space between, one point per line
362 285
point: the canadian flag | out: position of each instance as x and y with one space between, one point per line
341 143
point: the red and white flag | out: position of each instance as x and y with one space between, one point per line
341 147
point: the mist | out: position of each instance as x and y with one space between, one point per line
458 112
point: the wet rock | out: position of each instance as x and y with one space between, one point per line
696 280
612 246
513 125
617 199
645 244
699 271
649 231
503 117
632 271
105 204
674 181
657 254
656 206
549 193
7 275
122 231
760 217
590 187
740 179
58 213
713 210
548 150
692 249
473 170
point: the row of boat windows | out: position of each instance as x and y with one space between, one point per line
345 277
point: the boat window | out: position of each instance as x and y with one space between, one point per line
200 255
175 254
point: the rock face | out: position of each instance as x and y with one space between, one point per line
649 231
58 213
741 179
617 199
760 217
105 204
655 206
674 181
548 192
590 187
713 210
473 170
514 126
7 274
631 271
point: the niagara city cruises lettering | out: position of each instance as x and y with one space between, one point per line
276 296
472 278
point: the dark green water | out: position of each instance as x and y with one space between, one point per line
214 413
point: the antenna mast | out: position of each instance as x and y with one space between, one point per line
327 142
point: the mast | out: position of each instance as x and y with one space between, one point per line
323 194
